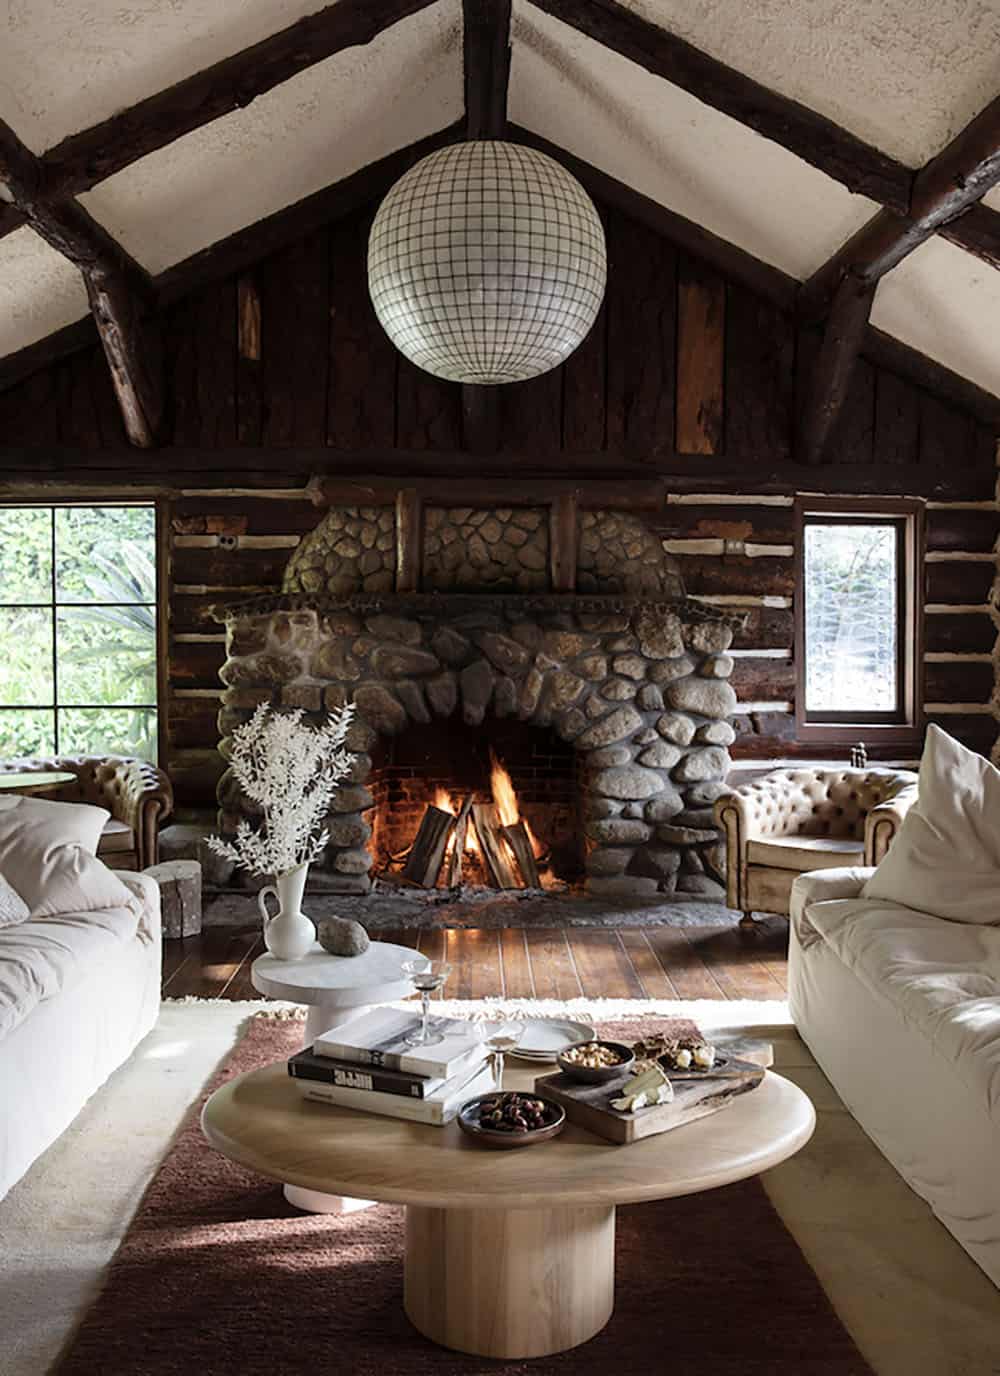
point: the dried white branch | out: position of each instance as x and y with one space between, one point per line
292 771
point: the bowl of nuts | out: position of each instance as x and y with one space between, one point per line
594 1062
511 1119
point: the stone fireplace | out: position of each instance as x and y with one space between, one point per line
551 634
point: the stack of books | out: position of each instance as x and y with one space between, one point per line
367 1064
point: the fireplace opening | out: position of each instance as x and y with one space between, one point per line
495 806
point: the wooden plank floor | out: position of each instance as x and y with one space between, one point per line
544 963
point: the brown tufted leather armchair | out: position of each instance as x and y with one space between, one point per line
797 820
136 793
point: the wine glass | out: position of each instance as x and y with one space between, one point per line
501 1038
425 976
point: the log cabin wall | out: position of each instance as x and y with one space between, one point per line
686 372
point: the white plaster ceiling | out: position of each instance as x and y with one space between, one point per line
946 304
309 132
39 291
905 75
661 141
68 64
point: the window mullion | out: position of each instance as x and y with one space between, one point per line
55 634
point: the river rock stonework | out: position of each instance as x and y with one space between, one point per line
637 685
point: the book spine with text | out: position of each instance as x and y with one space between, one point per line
348 1076
402 1063
435 1111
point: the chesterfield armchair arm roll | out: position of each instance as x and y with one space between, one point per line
136 793
798 820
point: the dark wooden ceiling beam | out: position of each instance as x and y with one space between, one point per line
486 78
944 189
31 468
977 231
820 142
118 289
84 159
831 379
486 66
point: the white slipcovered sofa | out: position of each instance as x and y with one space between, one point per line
901 1006
79 973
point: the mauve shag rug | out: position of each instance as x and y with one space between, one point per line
217 1273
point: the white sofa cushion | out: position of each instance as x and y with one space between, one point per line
41 958
942 977
946 858
12 906
47 853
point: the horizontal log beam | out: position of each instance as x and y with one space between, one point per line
820 142
24 468
86 158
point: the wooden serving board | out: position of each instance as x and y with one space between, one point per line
589 1106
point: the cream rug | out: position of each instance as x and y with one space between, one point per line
914 1302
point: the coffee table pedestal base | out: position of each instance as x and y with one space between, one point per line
510 1283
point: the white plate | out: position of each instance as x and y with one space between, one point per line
543 1038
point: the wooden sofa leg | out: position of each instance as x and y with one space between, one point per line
747 922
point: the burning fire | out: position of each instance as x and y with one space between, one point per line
502 788
443 800
505 799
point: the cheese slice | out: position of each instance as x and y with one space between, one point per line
644 1090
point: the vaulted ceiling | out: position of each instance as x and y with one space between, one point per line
901 76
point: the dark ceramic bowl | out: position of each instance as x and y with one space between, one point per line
468 1121
597 1075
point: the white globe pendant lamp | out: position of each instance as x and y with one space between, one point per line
487 263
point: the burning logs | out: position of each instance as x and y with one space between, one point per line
495 831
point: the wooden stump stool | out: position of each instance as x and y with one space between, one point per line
179 882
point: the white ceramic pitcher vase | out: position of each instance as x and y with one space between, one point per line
289 934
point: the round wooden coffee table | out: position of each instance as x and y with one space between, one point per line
508 1253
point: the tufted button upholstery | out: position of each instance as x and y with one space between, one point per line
135 792
862 805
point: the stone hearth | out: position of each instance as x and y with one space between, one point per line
632 675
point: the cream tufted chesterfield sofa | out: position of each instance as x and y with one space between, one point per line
797 820
136 793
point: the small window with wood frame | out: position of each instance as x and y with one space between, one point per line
858 620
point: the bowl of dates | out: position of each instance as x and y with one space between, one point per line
595 1062
509 1118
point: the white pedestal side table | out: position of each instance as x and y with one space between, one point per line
333 988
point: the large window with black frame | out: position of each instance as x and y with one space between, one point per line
78 669
858 621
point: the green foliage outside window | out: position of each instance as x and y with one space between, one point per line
78 630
